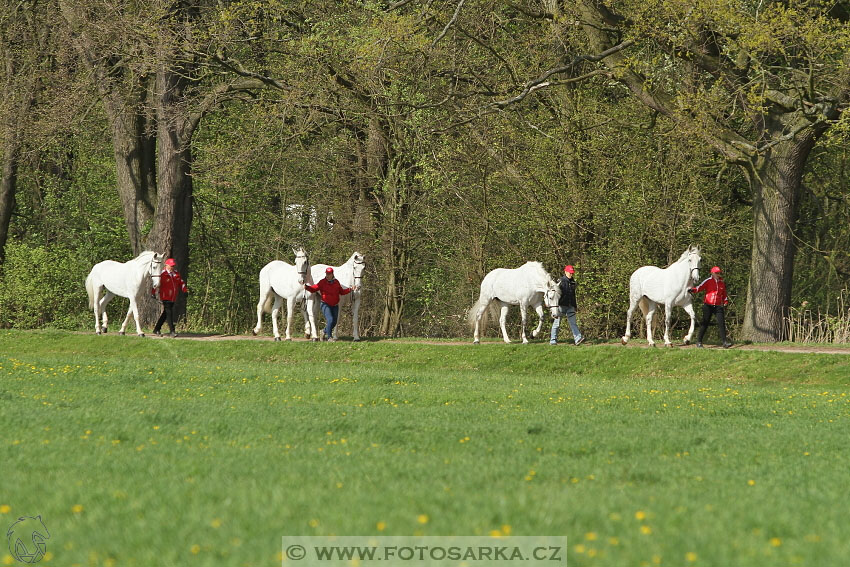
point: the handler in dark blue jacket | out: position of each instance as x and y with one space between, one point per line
567 306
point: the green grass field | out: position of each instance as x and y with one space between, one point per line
178 452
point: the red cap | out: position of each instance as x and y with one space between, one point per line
170 262
329 270
715 270
569 268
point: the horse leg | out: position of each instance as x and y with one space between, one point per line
476 338
648 308
632 304
96 308
134 308
668 315
275 311
312 308
540 314
104 301
289 309
503 316
263 298
355 317
689 309
522 316
306 318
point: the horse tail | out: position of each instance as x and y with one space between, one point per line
473 312
90 290
265 287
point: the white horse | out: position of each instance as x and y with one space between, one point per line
526 286
279 281
125 280
350 275
651 286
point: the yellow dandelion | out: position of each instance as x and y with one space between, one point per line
381 526
216 523
691 556
506 529
422 518
48 556
640 515
645 530
195 549
590 536
751 482
76 508
775 541
5 509
495 533
314 523
613 541
579 548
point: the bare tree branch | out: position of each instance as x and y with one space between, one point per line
448 25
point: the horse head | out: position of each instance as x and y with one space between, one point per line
155 268
359 267
551 297
302 264
694 261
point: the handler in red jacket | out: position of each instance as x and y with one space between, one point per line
715 304
169 284
330 289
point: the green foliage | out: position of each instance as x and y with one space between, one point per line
42 287
383 140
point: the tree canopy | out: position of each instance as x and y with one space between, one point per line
440 138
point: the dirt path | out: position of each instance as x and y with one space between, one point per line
777 348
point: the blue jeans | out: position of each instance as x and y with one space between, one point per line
570 314
331 313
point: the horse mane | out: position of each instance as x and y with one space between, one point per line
537 267
144 256
684 255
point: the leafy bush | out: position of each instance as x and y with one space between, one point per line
42 287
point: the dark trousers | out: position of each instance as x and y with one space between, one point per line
167 315
331 313
707 311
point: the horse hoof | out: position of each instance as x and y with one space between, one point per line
652 345
687 342
357 340
140 334
668 345
476 342
277 339
254 332
104 330
624 340
98 333
122 333
289 339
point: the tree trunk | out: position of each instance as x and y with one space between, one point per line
8 183
173 217
135 170
776 182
